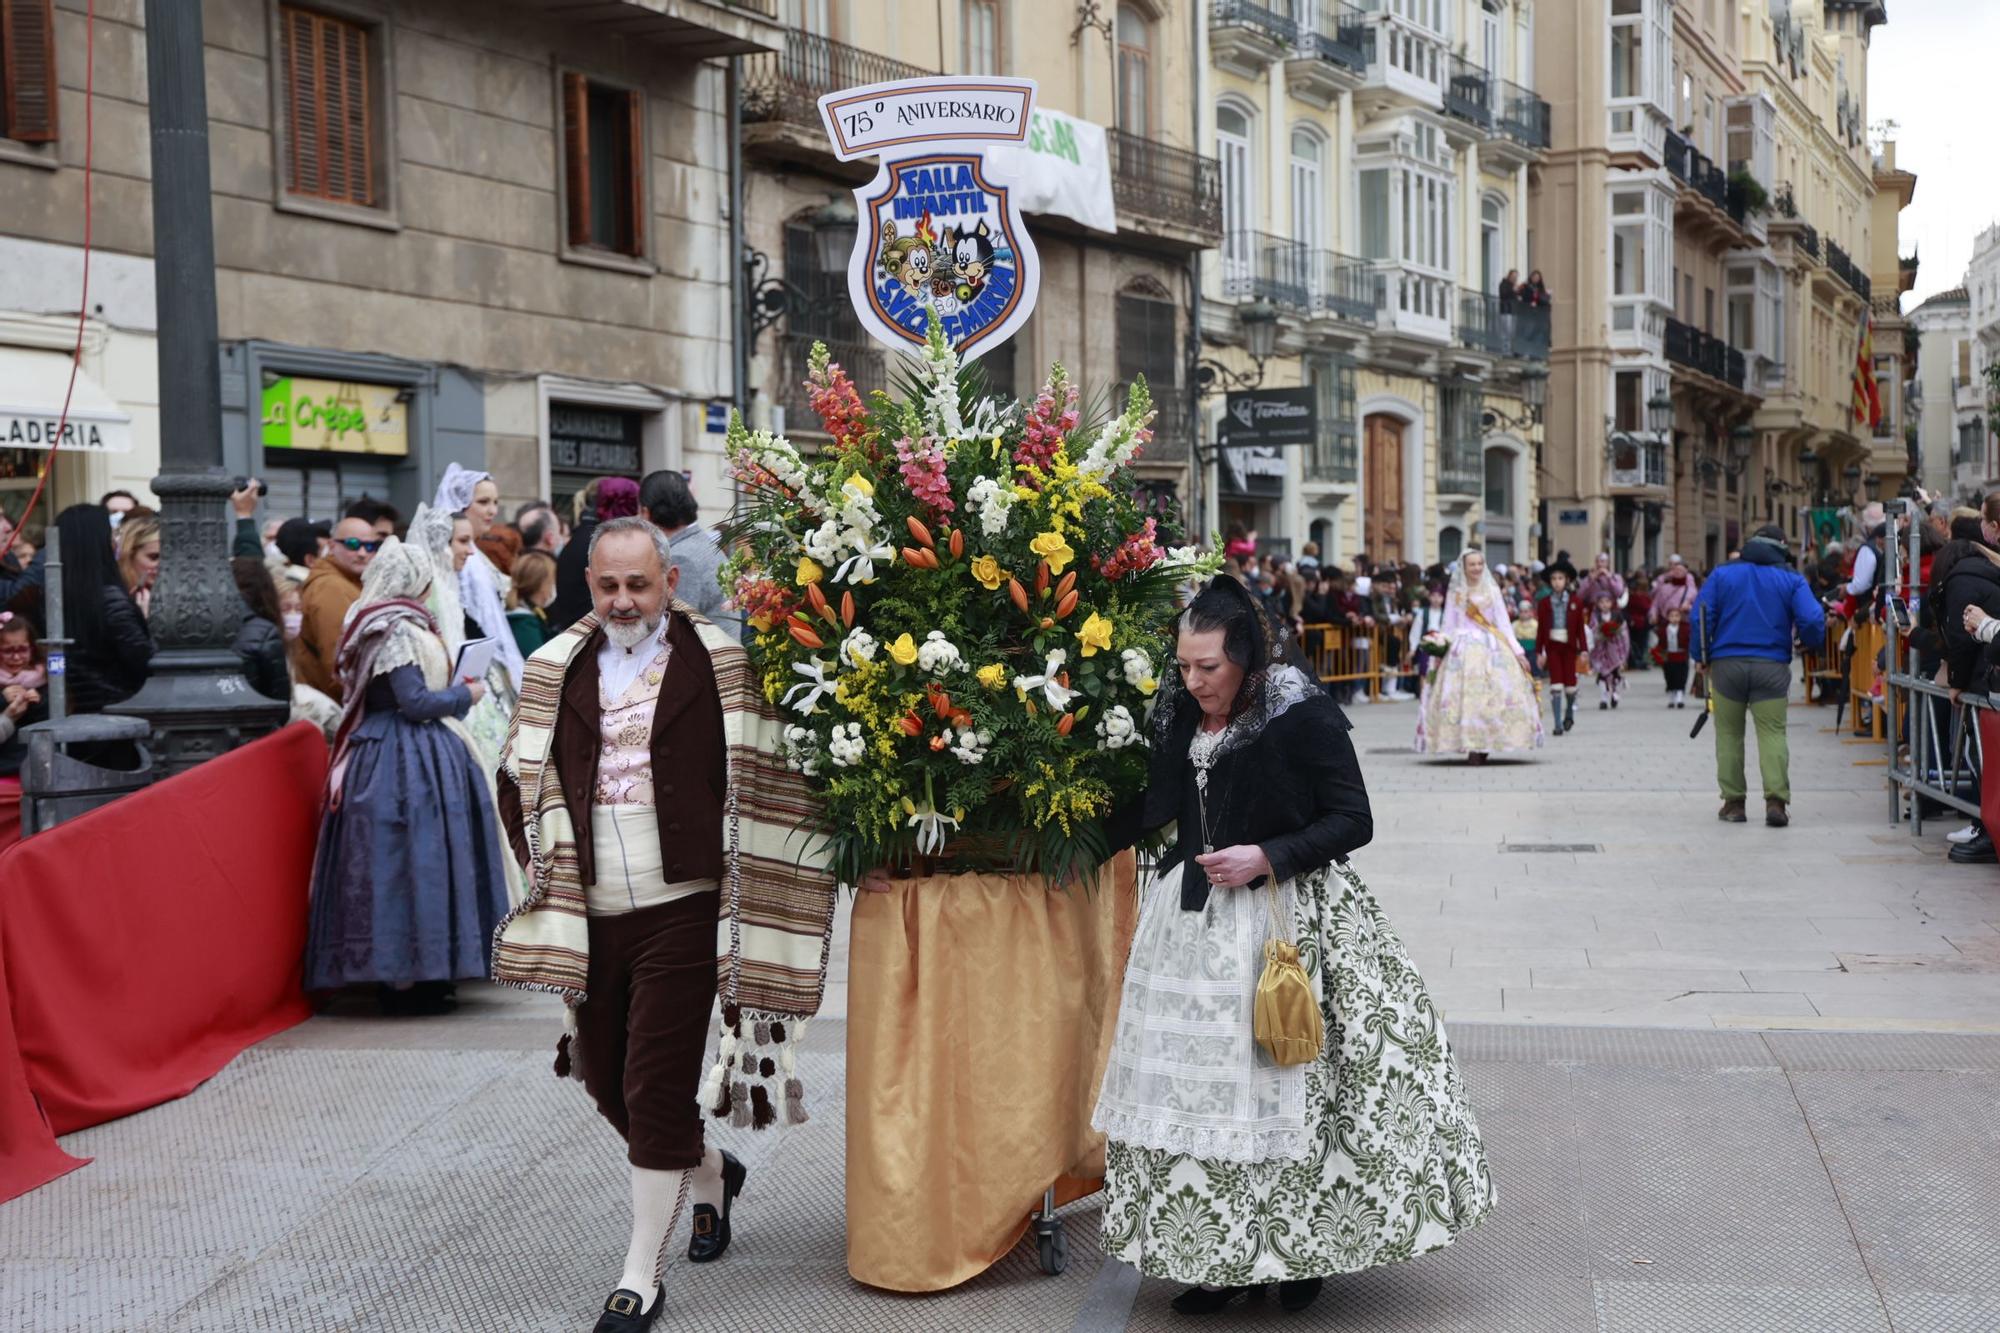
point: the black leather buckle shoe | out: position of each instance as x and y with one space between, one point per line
711 1228
1297 1295
1211 1300
623 1312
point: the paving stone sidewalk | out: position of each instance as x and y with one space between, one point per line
1682 1139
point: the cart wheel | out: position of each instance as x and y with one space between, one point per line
1051 1246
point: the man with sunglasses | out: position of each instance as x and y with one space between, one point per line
334 586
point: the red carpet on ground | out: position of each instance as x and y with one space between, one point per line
145 944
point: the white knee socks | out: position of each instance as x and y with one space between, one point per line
657 1200
706 1182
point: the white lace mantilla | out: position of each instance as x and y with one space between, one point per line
1186 1074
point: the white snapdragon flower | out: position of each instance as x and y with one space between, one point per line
859 646
993 503
1116 730
937 654
845 746
969 746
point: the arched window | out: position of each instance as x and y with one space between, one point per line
979 22
1239 208
1308 189
1135 71
1451 544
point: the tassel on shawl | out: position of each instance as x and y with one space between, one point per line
755 1071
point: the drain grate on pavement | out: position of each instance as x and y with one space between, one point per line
1550 847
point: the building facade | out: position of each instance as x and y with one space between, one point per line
1945 400
1702 375
445 231
1892 458
1376 168
1122 203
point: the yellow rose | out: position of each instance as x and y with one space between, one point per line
1095 634
862 484
809 571
987 570
993 676
904 650
1051 547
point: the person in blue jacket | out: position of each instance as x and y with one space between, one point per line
1745 621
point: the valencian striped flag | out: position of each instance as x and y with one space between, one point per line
1867 398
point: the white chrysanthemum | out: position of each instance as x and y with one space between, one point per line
937 654
800 750
824 543
1116 730
1138 667
858 647
845 746
969 746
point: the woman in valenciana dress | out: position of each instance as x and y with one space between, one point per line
1225 1169
1482 698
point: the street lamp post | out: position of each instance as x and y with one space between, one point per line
196 699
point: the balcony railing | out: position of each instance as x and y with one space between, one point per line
1262 19
1342 287
1696 169
1337 32
1844 269
1526 332
785 86
1333 455
1259 266
1461 466
1158 180
1479 323
1783 204
1468 92
1688 346
1637 461
1523 117
1171 428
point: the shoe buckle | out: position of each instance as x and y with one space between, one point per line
623 1303
704 1223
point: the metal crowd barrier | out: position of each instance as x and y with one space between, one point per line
1357 655
1933 743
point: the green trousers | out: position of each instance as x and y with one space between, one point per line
1759 690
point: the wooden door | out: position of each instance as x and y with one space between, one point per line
1382 517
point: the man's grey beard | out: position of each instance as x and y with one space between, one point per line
629 634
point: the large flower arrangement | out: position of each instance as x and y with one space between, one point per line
959 606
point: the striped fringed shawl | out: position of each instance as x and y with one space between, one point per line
777 905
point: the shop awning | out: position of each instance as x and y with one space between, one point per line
32 384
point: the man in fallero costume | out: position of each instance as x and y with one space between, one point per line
669 853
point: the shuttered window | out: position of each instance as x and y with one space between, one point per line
329 107
604 166
28 70
1148 344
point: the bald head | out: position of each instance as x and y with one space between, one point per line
354 544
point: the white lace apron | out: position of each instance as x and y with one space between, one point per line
1186 1074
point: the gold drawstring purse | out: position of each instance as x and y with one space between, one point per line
1286 1018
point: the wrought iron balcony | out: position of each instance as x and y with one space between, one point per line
1169 184
1845 269
1338 33
1274 25
1261 267
1342 287
1486 324
1461 466
1479 323
1468 92
1333 455
1696 169
1523 117
1782 202
785 86
1809 239
1171 428
1527 332
1688 346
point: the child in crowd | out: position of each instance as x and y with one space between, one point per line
24 680
1525 628
1423 619
1608 650
1672 655
1560 630
534 587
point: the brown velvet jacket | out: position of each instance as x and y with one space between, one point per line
690 788
323 603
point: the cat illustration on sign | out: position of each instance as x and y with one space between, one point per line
972 256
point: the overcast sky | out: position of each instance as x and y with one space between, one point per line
1931 69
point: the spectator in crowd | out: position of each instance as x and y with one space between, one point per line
260 638
1745 620
291 603
539 528
533 587
139 560
333 586
10 557
1964 575
1241 542
299 546
481 587
572 601
1309 560
1535 293
111 651
1828 576
119 503
1675 591
1639 616
377 514
410 879
20 572
1508 285
447 540
243 504
500 545
24 683
669 503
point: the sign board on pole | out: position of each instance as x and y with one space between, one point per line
940 234
1257 426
